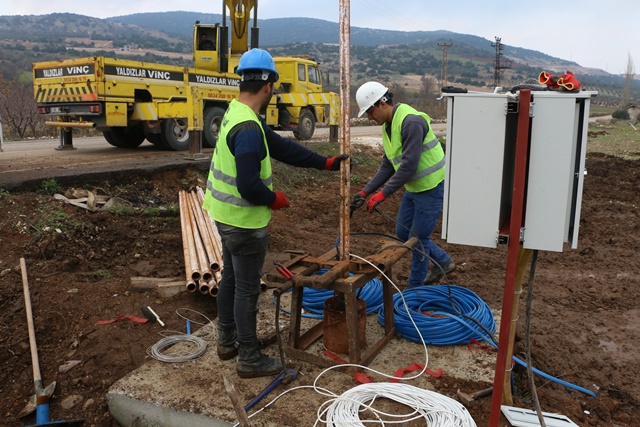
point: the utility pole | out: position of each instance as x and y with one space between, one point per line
445 47
500 64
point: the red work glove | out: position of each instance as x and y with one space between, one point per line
548 79
280 201
375 200
333 163
569 81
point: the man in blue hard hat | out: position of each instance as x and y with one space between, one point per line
240 198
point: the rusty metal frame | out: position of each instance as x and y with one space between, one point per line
344 278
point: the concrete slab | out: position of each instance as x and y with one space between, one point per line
192 393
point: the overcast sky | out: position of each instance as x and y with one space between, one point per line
593 33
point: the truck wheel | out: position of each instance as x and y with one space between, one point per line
175 134
154 138
125 137
306 126
212 121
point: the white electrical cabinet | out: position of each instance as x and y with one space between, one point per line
480 158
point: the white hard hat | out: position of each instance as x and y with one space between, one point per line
368 94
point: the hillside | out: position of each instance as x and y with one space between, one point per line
392 56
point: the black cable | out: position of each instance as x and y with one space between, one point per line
278 335
424 251
532 384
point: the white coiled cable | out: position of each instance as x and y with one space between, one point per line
436 409
157 351
195 346
344 410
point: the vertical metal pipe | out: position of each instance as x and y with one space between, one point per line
255 31
513 252
345 130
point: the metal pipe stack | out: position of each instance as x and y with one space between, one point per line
201 244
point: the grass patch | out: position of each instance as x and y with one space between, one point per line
619 138
164 211
50 216
600 110
50 186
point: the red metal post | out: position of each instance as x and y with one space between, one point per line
516 223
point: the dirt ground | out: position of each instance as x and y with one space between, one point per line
585 326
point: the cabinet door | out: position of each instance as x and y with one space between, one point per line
476 129
556 162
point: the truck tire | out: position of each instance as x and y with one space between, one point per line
125 137
212 121
155 139
306 126
175 134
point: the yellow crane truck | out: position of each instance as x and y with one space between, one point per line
130 101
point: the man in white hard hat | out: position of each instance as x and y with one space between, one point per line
413 158
240 198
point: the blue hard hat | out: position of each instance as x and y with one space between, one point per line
257 60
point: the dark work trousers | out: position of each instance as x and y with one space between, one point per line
243 254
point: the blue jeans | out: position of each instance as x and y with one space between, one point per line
418 215
243 253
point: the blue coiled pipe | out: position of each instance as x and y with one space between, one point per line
446 326
313 299
443 325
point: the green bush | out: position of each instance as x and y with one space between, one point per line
621 114
50 186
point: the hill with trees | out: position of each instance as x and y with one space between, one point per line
411 62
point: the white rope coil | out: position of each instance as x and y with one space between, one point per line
194 348
436 409
183 355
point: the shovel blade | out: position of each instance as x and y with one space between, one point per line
31 405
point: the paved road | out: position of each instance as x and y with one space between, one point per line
27 163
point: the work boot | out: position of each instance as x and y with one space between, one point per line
436 273
251 363
227 346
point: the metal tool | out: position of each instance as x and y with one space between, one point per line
469 399
151 315
42 395
286 375
284 271
356 204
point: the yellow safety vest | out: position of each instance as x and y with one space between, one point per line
431 166
222 198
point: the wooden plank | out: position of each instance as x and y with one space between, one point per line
243 420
